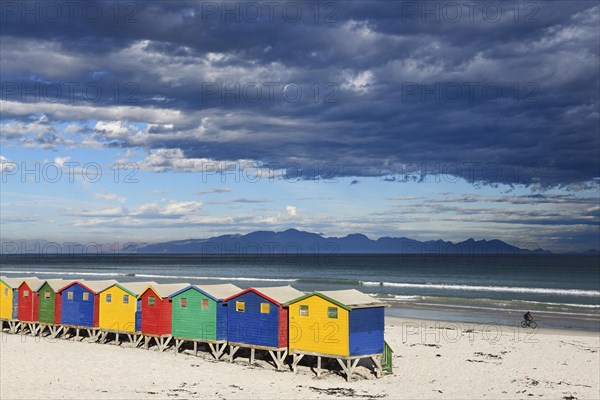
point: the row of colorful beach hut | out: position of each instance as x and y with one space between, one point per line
346 325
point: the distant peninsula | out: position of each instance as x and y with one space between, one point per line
293 241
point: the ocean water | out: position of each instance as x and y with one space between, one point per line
560 290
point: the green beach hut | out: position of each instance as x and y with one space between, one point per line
49 302
200 315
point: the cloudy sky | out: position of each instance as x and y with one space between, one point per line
152 121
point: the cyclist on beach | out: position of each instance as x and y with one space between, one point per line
527 316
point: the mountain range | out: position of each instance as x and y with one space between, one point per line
295 242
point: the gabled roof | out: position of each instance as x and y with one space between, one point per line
215 292
164 290
133 288
13 283
34 283
220 291
275 294
55 284
98 286
347 299
93 286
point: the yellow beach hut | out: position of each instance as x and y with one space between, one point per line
9 298
119 308
346 325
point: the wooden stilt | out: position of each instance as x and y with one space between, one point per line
178 343
232 351
252 356
213 350
284 354
378 366
348 366
220 349
217 349
295 361
33 328
278 357
318 366
348 370
14 326
166 343
54 331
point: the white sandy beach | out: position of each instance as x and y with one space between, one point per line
448 362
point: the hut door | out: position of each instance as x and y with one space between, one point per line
138 315
15 305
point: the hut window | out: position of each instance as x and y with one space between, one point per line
332 312
265 308
151 300
240 306
109 298
69 295
26 293
86 296
183 302
47 294
204 303
125 299
6 291
304 311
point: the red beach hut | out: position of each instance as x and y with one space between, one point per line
156 308
157 313
28 304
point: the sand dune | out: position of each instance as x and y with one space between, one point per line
431 360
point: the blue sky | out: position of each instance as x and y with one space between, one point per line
382 118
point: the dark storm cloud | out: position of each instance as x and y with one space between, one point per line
408 91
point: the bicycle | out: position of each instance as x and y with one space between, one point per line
528 324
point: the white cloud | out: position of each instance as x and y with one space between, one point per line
358 82
73 128
181 208
291 211
13 129
107 212
65 112
110 196
6 164
60 161
161 160
154 210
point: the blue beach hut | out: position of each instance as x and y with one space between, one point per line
257 319
80 304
